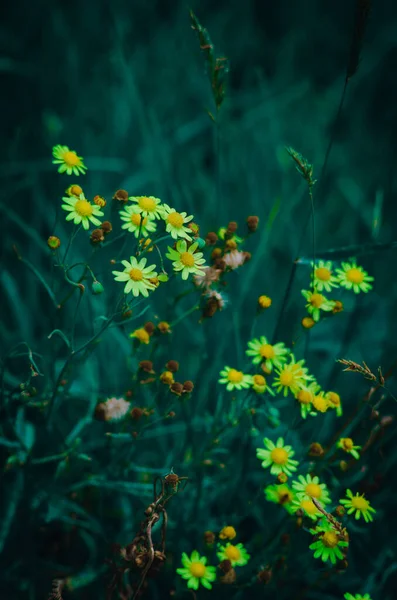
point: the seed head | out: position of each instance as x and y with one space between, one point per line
97 236
172 365
146 365
149 327
106 227
211 238
252 223
164 327
188 387
176 388
316 449
121 196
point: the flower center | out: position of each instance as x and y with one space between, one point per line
314 490
187 259
71 159
320 403
334 398
286 378
355 275
136 220
323 273
175 219
147 204
232 553
347 443
308 506
136 275
279 456
360 503
83 208
305 397
259 380
330 539
316 300
197 569
267 351
235 376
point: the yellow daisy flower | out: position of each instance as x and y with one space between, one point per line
277 456
82 211
149 205
351 276
310 487
175 222
291 377
237 555
308 507
196 571
234 379
348 446
305 396
323 277
137 276
132 218
359 505
280 494
68 161
186 260
317 302
272 355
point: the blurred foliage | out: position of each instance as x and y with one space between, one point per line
126 85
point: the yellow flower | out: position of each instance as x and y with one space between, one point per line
291 377
317 302
234 379
175 222
136 276
227 533
134 223
82 211
359 505
141 334
237 555
323 277
149 205
69 162
351 276
348 446
277 456
264 301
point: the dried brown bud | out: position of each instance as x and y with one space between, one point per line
149 327
316 449
172 365
171 414
265 575
225 565
146 365
188 387
252 223
210 308
121 196
176 388
164 327
209 537
229 577
211 238
136 413
97 236
247 256
232 227
100 411
106 227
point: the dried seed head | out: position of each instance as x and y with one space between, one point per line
211 238
225 565
53 242
176 388
164 327
167 377
172 365
188 387
338 306
121 196
149 327
99 201
171 414
136 413
229 577
247 256
252 223
209 537
316 449
265 575
146 365
210 308
97 236
127 314
232 227
106 227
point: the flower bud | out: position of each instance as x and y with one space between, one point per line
121 196
106 227
53 242
99 201
97 236
211 238
172 365
97 287
252 223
